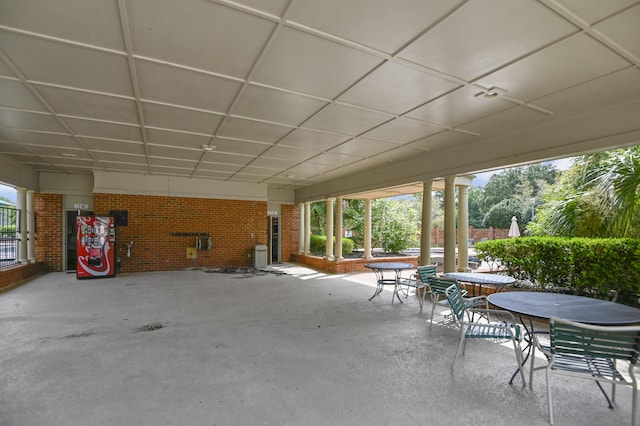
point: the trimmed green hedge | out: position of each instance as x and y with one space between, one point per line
318 244
600 267
8 229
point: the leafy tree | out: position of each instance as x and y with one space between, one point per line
318 218
476 199
616 179
499 216
8 219
522 184
597 197
402 220
394 223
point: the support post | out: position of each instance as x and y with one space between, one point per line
307 228
31 228
21 204
329 228
301 230
339 232
463 228
367 229
425 233
449 225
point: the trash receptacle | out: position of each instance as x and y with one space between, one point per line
260 256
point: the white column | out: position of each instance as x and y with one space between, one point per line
463 228
339 231
367 229
21 204
301 231
307 228
449 225
31 228
425 232
329 228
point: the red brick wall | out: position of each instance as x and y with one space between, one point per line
19 274
290 230
437 235
49 220
234 226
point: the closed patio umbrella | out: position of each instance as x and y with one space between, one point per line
514 231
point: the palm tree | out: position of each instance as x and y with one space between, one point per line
617 188
318 217
597 197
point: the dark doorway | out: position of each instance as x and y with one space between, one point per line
274 240
71 233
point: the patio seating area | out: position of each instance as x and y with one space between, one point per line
286 347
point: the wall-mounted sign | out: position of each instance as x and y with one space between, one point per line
79 206
272 213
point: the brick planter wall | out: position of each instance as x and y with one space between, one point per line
19 274
347 265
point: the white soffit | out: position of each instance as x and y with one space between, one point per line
313 97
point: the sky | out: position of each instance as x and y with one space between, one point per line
8 193
480 180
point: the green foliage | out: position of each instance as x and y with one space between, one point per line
318 217
605 268
597 197
8 229
499 216
510 193
476 200
318 244
347 246
394 223
521 183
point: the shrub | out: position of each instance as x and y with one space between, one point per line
318 244
607 268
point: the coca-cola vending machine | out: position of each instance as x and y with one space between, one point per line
96 247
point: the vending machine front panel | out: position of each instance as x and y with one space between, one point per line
96 247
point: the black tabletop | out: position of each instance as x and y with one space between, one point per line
481 278
394 266
575 308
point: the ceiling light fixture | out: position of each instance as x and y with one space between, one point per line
208 147
490 93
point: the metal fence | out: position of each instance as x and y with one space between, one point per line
8 236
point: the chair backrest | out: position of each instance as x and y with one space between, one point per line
439 285
620 342
424 272
456 301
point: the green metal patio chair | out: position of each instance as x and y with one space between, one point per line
437 287
418 281
590 352
504 326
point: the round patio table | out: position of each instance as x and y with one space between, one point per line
380 268
582 309
495 280
575 308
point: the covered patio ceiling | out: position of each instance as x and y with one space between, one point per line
322 98
394 191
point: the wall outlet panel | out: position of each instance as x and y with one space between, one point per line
191 253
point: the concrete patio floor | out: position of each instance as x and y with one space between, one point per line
292 348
